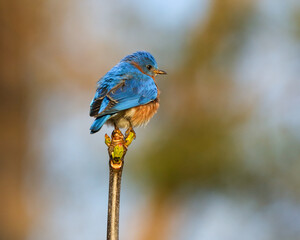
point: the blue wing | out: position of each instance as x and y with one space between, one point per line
122 91
109 81
130 93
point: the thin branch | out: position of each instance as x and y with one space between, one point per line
114 203
117 148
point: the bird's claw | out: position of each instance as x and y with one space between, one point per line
130 131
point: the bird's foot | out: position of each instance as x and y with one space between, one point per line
116 127
129 136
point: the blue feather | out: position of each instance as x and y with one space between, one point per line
98 123
136 91
104 104
128 84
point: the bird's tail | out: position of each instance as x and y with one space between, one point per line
98 123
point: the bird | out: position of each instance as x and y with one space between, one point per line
127 96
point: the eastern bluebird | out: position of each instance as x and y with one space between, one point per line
127 96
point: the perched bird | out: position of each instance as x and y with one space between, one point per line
127 96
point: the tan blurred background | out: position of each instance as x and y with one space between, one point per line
220 160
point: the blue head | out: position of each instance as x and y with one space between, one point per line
145 62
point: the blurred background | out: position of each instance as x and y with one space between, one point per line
220 159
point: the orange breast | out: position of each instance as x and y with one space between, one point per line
142 114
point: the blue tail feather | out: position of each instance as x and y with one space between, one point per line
98 123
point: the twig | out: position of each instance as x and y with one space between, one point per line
114 203
117 148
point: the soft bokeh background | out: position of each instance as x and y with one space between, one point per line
220 160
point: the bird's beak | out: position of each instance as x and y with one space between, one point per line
158 71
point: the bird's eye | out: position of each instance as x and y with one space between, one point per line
149 67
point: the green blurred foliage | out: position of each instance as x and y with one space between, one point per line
201 149
295 23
